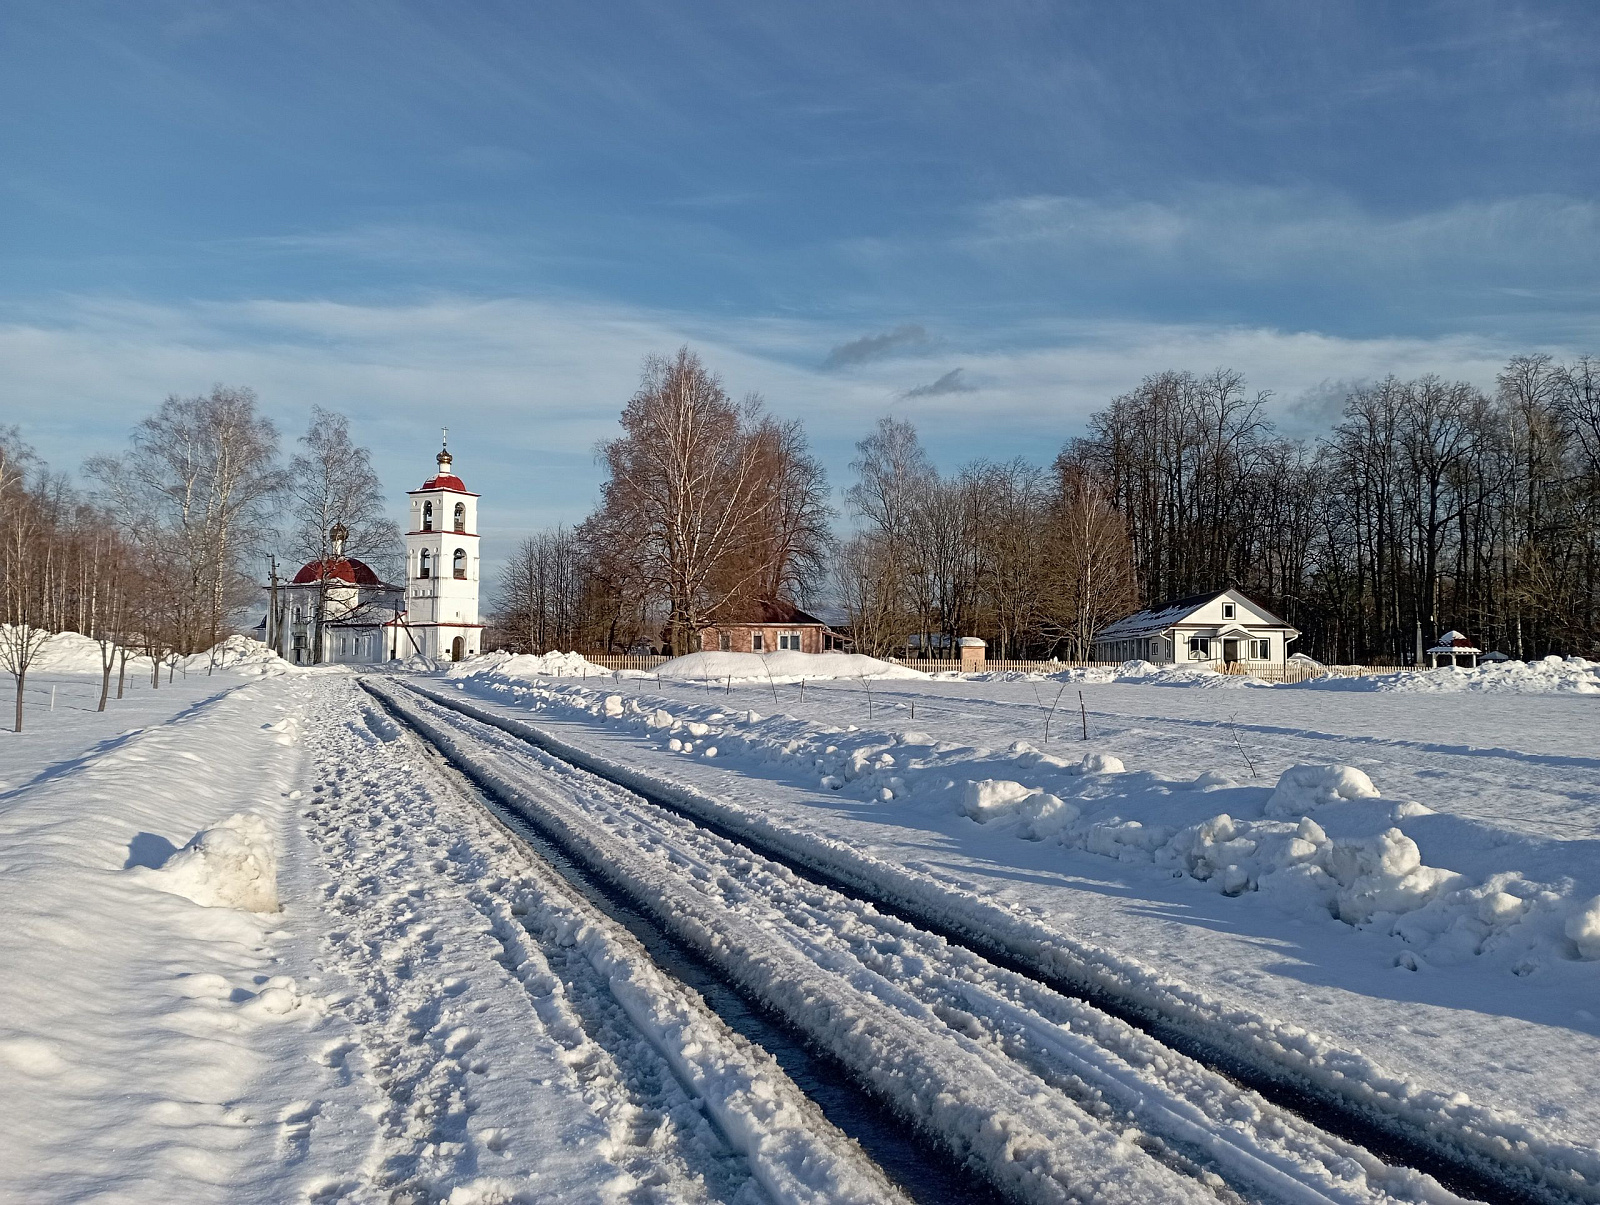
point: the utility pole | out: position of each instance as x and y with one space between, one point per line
272 606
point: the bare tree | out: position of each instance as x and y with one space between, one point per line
694 484
22 603
331 482
1088 562
539 599
197 488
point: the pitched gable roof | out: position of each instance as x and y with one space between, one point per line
765 610
1154 620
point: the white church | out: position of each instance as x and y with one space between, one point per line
366 620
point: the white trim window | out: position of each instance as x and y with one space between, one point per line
1228 610
1261 650
756 642
1199 648
789 641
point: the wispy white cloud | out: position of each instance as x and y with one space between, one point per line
387 242
529 386
1256 232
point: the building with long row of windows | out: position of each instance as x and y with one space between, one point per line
1220 628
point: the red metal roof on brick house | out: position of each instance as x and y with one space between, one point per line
760 611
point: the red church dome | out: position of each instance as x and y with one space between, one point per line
445 479
445 482
343 569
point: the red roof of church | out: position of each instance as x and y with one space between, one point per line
444 482
344 569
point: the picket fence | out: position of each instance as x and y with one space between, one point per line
932 665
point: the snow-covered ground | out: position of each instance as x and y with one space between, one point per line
259 946
1420 922
257 949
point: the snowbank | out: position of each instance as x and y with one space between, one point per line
233 864
527 667
1301 789
1354 865
780 667
236 652
68 653
1355 862
72 653
1553 675
1128 673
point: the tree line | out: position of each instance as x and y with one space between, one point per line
161 551
1426 504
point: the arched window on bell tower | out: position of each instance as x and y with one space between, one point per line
427 519
458 564
461 516
425 564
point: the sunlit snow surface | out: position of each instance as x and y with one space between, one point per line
1392 879
1402 878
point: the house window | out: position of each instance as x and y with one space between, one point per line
756 641
458 564
461 516
427 519
724 642
1227 610
1199 648
1261 650
425 563
789 640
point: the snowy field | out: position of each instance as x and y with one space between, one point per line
262 945
1423 921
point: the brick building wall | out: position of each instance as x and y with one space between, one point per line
740 637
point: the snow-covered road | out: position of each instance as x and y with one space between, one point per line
1047 1094
272 943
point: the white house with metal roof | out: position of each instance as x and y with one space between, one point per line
1220 628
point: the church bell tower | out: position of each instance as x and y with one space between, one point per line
442 566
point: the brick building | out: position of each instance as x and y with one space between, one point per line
767 627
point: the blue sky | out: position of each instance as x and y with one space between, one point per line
987 218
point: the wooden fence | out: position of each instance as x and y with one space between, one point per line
613 661
1293 672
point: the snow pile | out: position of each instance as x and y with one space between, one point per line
528 667
1355 862
236 652
1363 871
68 653
1303 789
1553 675
1583 927
1143 673
781 667
233 864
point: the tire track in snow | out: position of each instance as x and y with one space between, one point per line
462 954
1090 1066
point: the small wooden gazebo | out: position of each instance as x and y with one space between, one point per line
1454 645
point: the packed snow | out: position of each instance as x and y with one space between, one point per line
1473 881
973 1054
1551 675
526 666
259 949
233 864
782 667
